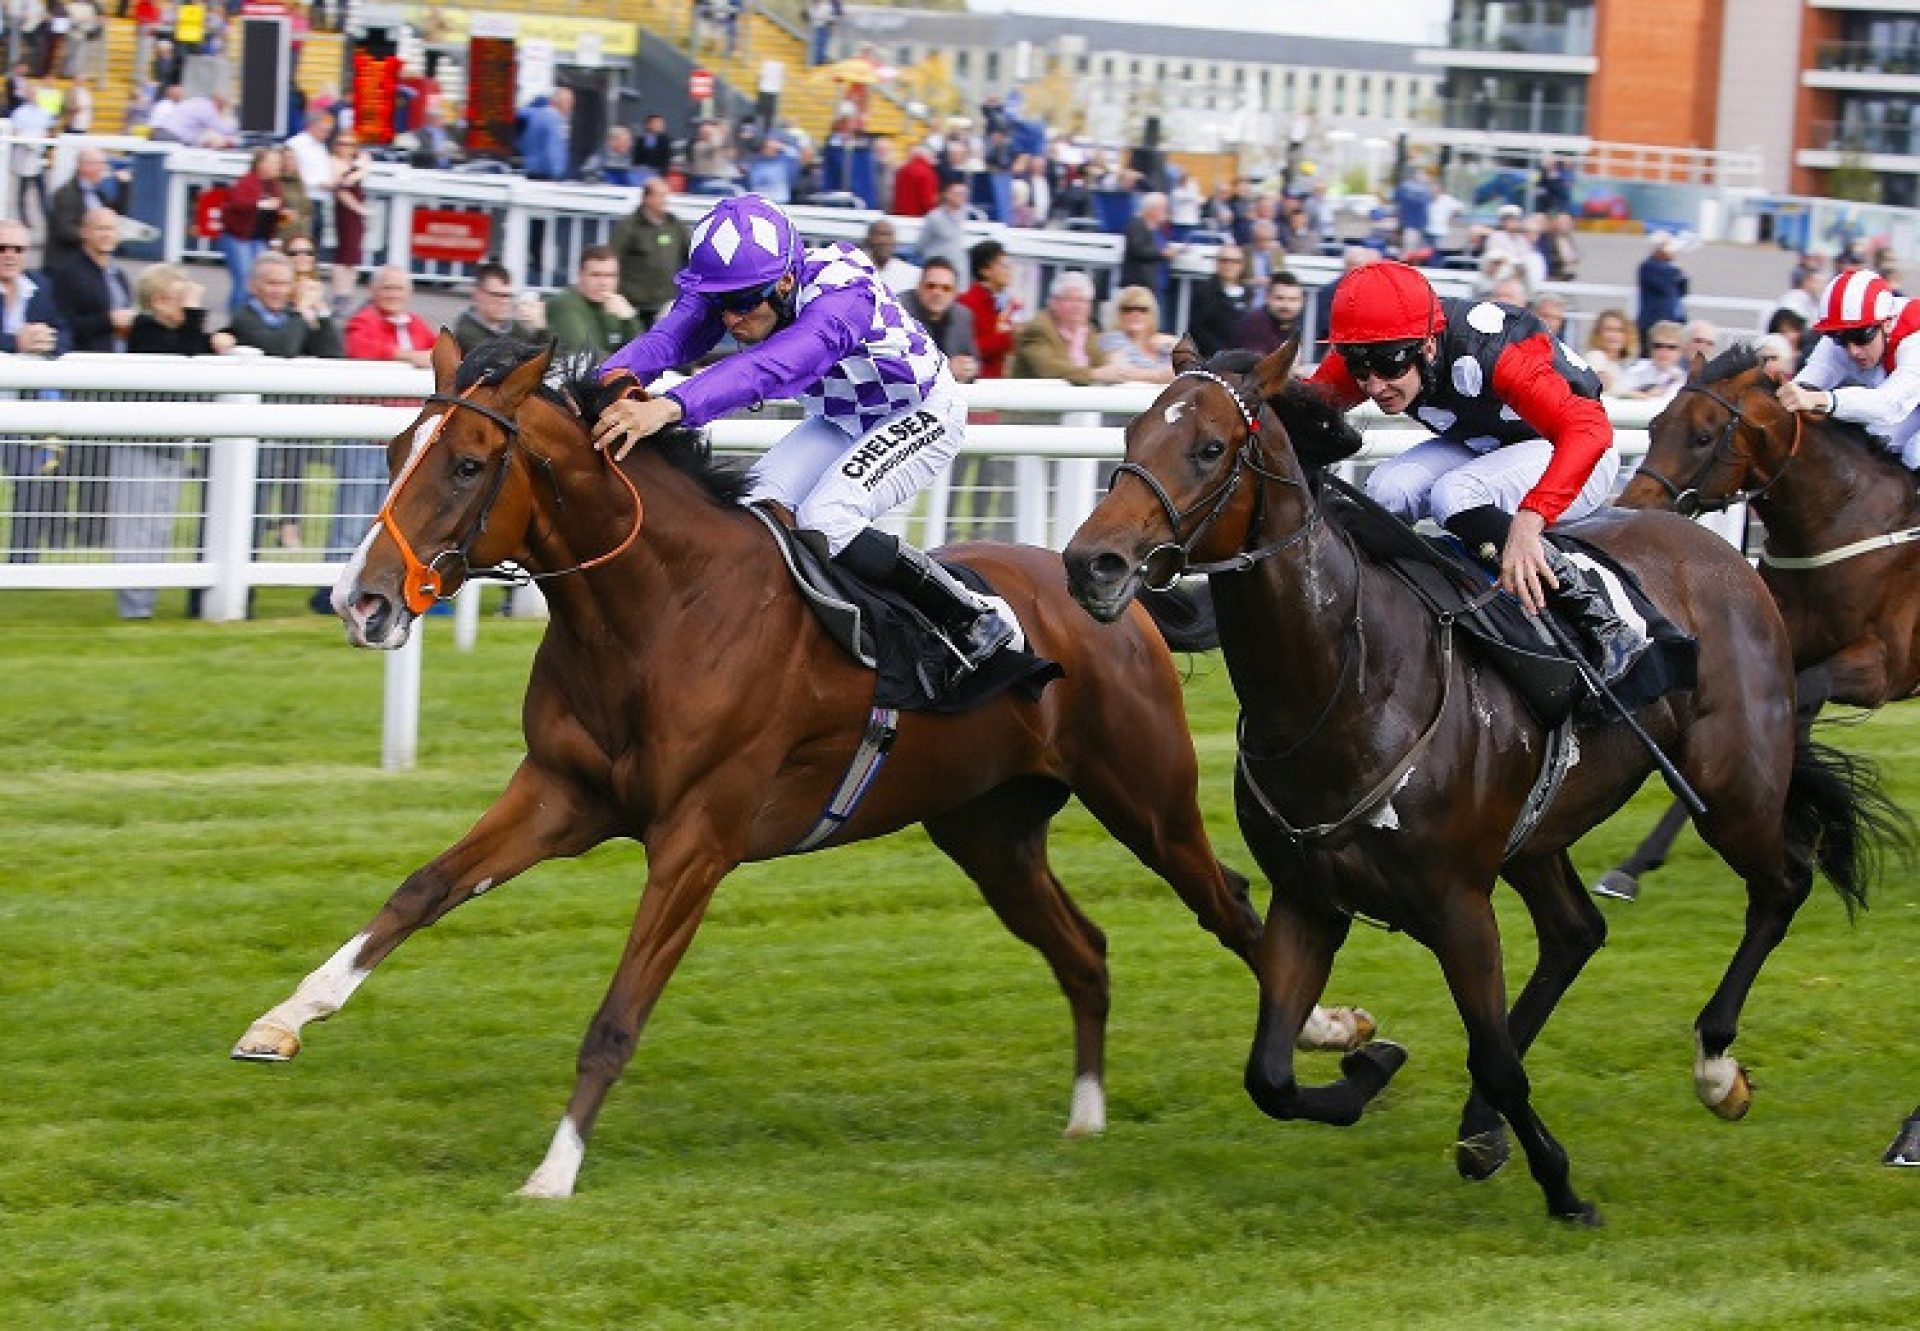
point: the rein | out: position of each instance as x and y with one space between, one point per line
1215 501
1723 451
423 581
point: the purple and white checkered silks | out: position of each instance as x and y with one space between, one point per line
746 241
897 362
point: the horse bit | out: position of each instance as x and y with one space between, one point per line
423 582
1215 503
1686 499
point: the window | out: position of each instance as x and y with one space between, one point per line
993 67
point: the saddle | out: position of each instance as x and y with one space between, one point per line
1451 583
884 634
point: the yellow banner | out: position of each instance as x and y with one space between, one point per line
443 24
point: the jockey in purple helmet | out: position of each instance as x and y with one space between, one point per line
883 417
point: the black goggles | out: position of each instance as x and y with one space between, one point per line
1857 337
1382 360
744 301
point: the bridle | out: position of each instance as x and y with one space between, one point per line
423 582
1246 458
1686 498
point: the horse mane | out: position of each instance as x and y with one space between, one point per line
1317 426
573 384
1741 357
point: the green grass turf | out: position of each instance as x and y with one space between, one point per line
847 1110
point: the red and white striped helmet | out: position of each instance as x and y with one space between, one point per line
1858 298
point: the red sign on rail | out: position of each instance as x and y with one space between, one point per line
441 235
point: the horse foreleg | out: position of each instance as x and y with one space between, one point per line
1570 930
1296 956
1001 842
1623 882
682 871
1468 947
536 818
1154 813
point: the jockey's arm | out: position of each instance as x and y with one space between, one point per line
1883 409
689 329
830 328
1525 379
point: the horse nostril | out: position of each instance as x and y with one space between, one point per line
1107 568
377 615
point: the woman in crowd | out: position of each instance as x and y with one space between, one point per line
1611 346
350 167
172 316
1143 354
249 220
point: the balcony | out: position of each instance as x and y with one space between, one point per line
1864 67
1514 117
1486 34
1840 136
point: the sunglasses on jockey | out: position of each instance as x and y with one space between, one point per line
1383 360
1856 337
746 300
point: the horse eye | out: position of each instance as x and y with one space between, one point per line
1210 451
468 468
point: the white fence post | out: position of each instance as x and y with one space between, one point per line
466 619
400 709
233 470
1030 500
1075 480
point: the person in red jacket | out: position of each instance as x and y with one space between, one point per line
385 329
916 185
1521 440
993 305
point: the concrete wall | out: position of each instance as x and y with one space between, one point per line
1759 58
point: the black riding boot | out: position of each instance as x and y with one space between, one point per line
972 627
1617 643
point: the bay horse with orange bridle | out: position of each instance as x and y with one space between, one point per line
1382 768
685 696
1842 557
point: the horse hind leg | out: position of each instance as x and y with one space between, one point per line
1622 882
1296 956
1000 840
1468 946
1156 815
534 819
1570 930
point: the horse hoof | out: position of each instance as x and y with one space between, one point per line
1481 1156
1619 885
1584 1214
267 1042
1375 1060
544 1191
1336 1030
1733 1106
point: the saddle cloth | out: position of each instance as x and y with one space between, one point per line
882 632
1451 582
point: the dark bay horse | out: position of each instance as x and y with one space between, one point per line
1382 768
685 696
1843 539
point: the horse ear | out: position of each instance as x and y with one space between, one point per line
1276 368
446 359
526 377
1696 368
1186 356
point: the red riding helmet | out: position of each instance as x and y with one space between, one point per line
1384 302
1858 298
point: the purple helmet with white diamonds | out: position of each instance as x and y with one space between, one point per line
746 241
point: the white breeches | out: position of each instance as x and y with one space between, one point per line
1439 478
837 485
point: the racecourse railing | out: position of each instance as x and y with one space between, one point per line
228 473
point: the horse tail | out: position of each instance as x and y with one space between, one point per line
1837 808
1184 615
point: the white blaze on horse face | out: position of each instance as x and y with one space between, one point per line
1174 412
557 1172
324 992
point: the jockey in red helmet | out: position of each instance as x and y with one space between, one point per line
1867 368
1521 438
882 414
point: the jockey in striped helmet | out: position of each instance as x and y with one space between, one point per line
1867 367
883 415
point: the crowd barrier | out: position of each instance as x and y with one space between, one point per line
230 473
